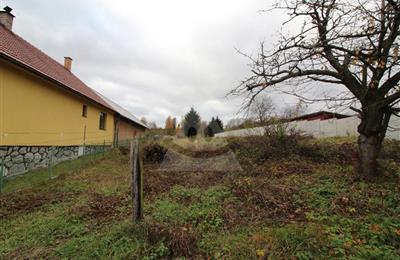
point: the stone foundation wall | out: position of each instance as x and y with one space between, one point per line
95 149
20 159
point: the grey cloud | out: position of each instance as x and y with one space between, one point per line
149 68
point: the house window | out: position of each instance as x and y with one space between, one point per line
102 124
84 110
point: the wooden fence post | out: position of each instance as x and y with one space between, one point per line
136 181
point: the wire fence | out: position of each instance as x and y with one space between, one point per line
26 166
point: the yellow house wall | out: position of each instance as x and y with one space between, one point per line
36 112
128 131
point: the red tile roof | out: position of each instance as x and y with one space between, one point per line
20 51
123 112
320 115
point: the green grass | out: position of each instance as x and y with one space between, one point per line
123 240
303 206
201 209
39 230
39 176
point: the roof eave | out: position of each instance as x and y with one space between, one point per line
133 121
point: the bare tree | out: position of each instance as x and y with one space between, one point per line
262 109
295 111
234 123
174 123
143 120
352 43
152 125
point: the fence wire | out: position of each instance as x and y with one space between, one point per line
38 170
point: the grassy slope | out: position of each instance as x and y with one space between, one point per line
292 200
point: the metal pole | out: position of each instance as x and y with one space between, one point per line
132 162
50 164
1 174
84 135
84 146
84 140
141 172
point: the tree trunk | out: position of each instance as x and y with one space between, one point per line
368 149
372 129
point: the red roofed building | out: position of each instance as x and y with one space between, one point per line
43 104
320 115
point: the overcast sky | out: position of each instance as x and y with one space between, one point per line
156 57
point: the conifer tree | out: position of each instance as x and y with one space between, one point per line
214 127
191 123
220 124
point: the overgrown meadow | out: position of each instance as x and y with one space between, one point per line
291 198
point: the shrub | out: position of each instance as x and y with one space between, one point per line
275 143
344 153
154 152
391 150
280 135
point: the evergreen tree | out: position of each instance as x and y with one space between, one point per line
220 124
214 127
191 123
208 132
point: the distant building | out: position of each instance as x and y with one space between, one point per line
321 115
45 109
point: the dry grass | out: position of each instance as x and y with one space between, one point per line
293 200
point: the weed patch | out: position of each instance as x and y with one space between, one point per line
39 229
266 200
179 219
117 241
29 201
100 208
294 199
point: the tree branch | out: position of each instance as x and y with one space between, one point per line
291 75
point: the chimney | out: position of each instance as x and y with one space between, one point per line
68 63
6 17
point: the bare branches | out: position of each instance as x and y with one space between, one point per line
262 110
273 79
340 42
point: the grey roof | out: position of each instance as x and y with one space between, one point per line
122 111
